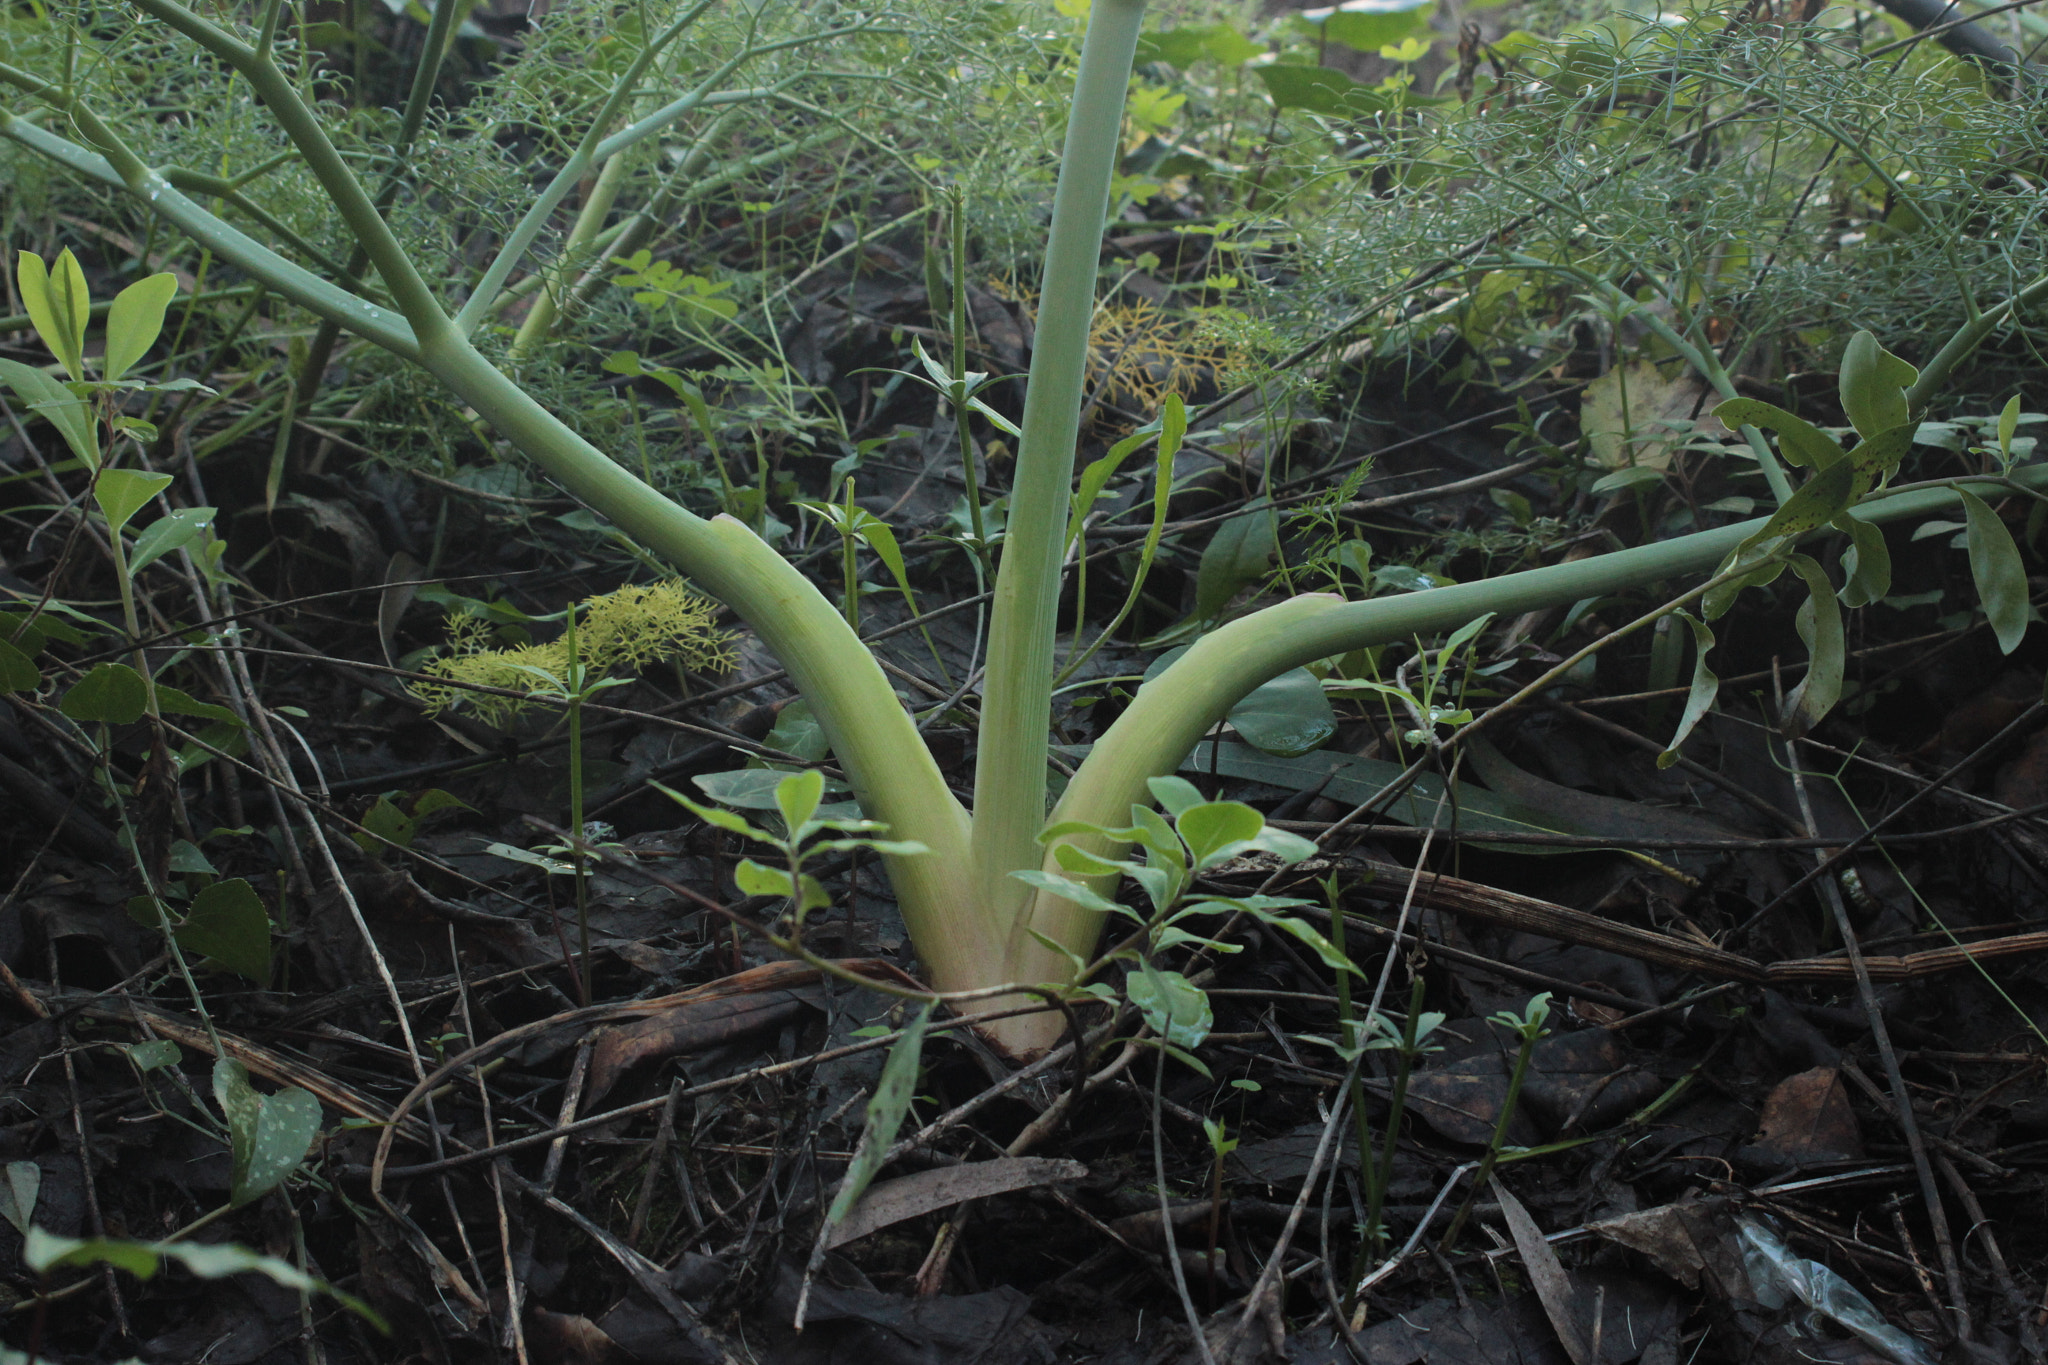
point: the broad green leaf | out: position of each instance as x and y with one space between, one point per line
229 924
1873 385
62 408
1700 699
1799 441
1187 44
1867 563
167 533
797 797
757 880
1995 565
111 693
1176 1008
1287 715
754 788
121 493
1321 90
268 1135
135 320
154 1055
18 672
1217 825
1369 25
1175 794
886 1108
1820 626
58 305
1237 555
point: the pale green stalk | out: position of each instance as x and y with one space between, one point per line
1016 709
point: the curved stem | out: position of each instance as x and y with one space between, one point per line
891 771
1171 713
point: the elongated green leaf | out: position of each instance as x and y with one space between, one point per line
135 320
1098 474
172 701
58 306
886 1108
111 693
1876 458
229 924
18 1192
1820 626
1700 699
58 405
1069 889
2008 423
168 533
121 493
1813 504
1995 565
1799 441
1301 929
1873 386
44 1251
1867 563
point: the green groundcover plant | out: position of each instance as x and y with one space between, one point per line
975 923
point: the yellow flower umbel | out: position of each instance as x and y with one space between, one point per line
627 629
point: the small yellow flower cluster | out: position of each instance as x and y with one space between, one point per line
627 629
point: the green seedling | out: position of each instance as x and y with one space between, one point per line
1202 835
1529 1027
974 923
798 800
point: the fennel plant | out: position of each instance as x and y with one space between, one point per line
973 923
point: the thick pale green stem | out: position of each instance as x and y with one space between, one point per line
1016 711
